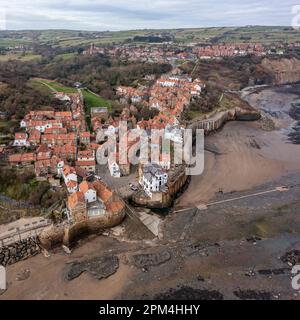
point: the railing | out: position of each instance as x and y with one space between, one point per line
17 234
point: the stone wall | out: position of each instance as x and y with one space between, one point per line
18 251
217 121
52 236
92 226
64 234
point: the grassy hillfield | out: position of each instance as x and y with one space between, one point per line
69 38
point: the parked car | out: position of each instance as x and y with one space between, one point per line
133 187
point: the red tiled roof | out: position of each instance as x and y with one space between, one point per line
20 136
22 157
75 199
85 186
85 163
102 191
85 135
71 184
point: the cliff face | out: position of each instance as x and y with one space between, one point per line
283 70
241 72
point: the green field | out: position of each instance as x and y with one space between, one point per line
49 87
61 88
20 57
92 100
6 42
69 38
52 86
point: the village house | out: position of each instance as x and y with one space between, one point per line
52 166
99 113
66 152
114 167
86 160
153 179
111 201
80 209
89 191
62 97
165 160
96 124
40 115
22 159
173 133
55 130
85 137
59 139
43 152
81 174
63 116
92 50
21 140
75 125
40 125
34 137
70 178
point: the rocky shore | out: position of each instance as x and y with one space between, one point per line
18 251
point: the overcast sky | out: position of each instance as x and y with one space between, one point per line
140 14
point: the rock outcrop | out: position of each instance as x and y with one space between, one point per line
283 70
18 251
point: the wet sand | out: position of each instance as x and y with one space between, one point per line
213 256
47 279
249 156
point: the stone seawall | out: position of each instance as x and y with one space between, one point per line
93 226
54 236
217 121
20 250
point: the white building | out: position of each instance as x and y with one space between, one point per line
23 124
153 179
86 160
136 99
111 130
40 125
62 97
70 178
60 167
155 105
21 140
72 186
89 192
114 169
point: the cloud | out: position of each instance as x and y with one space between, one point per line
140 14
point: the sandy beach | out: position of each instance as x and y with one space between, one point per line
249 155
